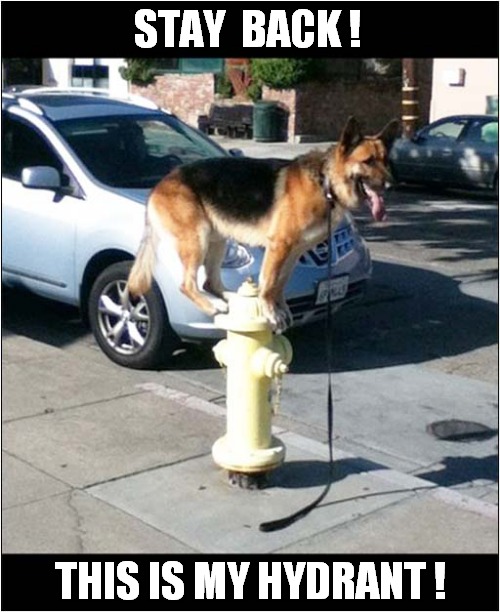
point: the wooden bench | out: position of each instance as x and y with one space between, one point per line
232 121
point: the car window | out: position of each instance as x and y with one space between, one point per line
447 130
134 151
485 132
24 146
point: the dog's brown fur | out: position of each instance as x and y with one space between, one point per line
193 204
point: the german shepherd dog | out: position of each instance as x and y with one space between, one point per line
280 205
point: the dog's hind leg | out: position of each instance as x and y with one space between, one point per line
178 212
213 261
193 253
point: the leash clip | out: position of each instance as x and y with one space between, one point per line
327 191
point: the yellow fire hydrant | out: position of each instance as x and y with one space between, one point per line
254 357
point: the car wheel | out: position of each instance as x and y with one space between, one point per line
133 332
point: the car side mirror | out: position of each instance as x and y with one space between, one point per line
41 177
417 138
236 153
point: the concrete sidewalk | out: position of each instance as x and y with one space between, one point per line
99 459
284 150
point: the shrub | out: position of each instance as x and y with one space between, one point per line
223 86
139 71
254 91
282 73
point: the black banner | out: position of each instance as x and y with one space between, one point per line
133 29
159 582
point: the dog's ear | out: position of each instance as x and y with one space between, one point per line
351 136
389 134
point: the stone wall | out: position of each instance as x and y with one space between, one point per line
188 95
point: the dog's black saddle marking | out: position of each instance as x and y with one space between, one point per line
240 189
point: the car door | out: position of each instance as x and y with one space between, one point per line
38 225
438 149
475 161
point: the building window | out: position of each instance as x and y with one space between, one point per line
189 65
92 75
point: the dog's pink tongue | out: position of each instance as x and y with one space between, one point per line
376 204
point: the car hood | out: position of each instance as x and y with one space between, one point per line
137 195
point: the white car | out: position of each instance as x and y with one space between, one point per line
77 168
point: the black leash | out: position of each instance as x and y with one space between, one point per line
289 520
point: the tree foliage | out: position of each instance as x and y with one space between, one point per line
139 70
283 73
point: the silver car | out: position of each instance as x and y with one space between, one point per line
77 168
457 151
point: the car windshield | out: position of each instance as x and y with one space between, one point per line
134 151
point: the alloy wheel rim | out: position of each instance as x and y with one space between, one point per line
124 322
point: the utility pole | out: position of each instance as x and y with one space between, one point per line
409 98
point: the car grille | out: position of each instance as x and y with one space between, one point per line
305 308
343 242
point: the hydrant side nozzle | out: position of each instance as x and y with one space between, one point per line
283 368
267 363
282 345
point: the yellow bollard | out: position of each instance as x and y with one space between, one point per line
253 358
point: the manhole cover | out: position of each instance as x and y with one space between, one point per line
458 431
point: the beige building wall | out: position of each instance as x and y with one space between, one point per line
461 85
57 73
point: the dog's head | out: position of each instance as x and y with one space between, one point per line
359 170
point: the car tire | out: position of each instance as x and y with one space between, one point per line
132 332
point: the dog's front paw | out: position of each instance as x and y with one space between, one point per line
284 320
221 306
278 318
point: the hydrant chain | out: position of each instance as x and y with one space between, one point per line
278 387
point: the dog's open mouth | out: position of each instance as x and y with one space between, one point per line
374 200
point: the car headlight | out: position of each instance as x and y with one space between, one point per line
237 255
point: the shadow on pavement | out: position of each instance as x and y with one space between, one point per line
409 315
305 474
451 471
26 314
460 470
60 325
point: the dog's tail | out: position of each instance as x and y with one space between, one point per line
141 274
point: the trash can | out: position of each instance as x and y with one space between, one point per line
267 120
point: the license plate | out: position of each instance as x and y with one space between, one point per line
338 289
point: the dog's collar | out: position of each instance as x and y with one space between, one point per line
327 190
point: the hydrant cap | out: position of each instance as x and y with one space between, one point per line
248 288
245 312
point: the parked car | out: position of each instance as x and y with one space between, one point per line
458 151
77 168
